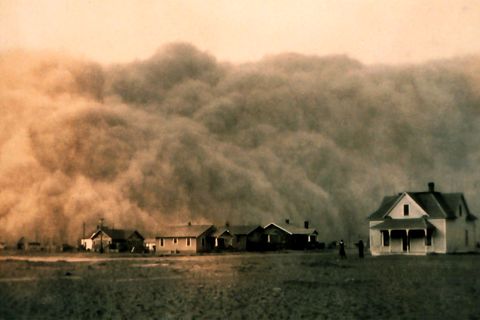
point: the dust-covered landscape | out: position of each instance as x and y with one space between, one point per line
219 127
292 285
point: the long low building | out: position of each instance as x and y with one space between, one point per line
185 239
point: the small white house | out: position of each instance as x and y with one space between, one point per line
151 244
422 223
87 244
184 239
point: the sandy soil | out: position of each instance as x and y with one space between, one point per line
244 286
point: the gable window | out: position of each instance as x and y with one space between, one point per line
188 242
406 209
460 210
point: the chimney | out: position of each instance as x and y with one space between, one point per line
431 187
287 221
305 224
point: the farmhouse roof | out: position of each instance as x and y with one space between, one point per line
412 224
192 231
293 229
435 204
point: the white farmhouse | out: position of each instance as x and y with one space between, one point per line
422 223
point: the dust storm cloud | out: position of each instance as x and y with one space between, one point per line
183 137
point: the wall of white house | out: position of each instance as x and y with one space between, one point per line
417 245
415 211
375 239
461 234
439 237
87 244
176 245
417 242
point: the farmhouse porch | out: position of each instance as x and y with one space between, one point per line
406 236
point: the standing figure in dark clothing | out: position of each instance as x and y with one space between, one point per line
360 248
343 255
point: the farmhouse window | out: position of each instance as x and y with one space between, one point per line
386 239
406 209
175 240
203 242
188 242
161 242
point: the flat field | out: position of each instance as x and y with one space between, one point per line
293 285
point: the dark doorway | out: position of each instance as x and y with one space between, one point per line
405 242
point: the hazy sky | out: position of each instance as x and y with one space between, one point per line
372 31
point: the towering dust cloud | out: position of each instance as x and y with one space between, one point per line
181 137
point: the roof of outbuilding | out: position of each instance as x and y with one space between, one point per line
236 230
116 234
192 231
293 229
435 204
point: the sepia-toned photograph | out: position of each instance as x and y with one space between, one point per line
217 159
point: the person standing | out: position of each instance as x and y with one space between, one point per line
361 247
343 255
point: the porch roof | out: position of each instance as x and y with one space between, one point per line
402 224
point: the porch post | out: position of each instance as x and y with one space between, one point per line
389 241
432 243
425 240
408 241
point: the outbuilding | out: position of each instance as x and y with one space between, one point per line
241 237
117 240
290 236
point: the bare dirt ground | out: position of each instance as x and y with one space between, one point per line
294 285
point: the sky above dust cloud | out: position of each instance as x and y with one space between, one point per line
372 31
122 125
